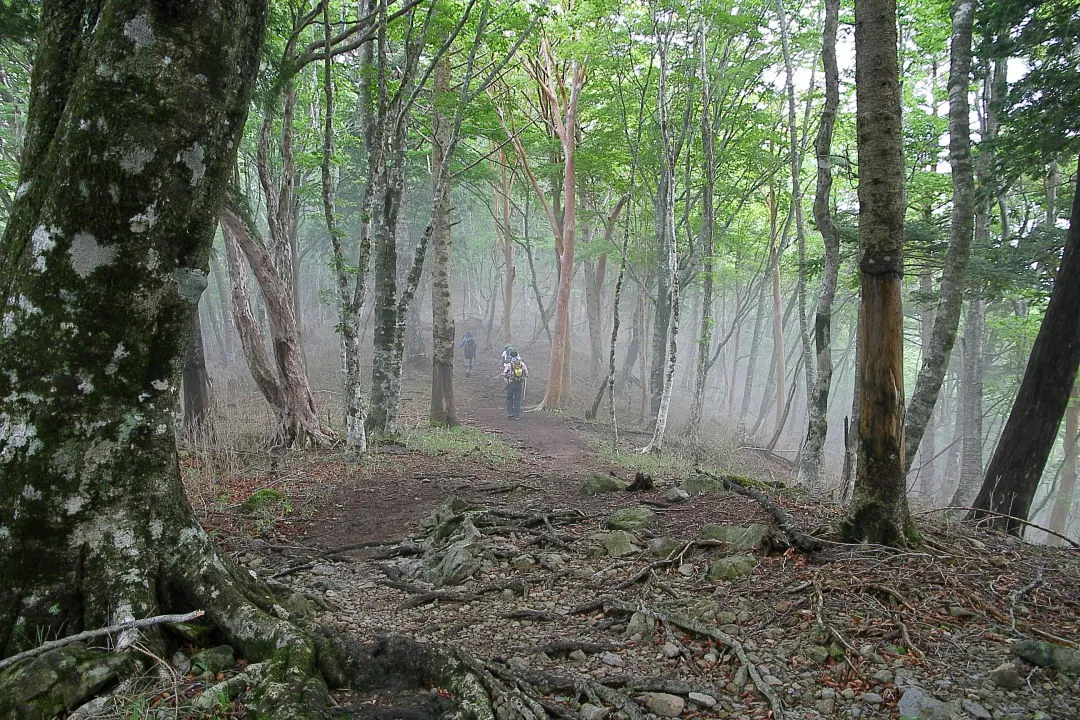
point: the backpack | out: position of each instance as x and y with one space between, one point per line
470 348
517 371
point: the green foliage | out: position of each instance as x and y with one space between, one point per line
462 443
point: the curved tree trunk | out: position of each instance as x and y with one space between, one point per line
1031 430
91 504
810 458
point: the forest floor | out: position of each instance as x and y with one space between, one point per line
642 631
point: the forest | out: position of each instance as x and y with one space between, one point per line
825 254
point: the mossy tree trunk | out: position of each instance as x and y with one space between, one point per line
879 509
443 408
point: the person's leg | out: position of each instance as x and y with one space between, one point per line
509 399
517 400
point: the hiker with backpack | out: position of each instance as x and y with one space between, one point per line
516 373
468 348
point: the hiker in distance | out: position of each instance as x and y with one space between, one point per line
516 374
468 349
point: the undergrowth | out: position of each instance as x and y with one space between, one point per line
462 443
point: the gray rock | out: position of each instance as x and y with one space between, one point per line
610 658
213 660
640 625
741 676
662 547
181 662
553 561
677 495
1006 676
871 698
454 564
617 543
883 676
976 710
697 484
740 538
702 699
732 566
578 655
1044 654
57 680
663 704
598 484
917 703
524 563
816 654
670 651
633 518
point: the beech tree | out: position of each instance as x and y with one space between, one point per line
879 509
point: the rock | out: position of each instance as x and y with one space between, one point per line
1044 654
593 712
663 547
697 484
640 625
578 655
610 658
976 710
181 662
816 654
663 704
741 676
740 538
598 484
213 660
732 566
677 495
956 611
883 676
1006 676
702 699
455 563
617 543
524 563
553 562
871 698
300 604
670 651
630 518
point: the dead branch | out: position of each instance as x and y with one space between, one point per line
799 540
91 634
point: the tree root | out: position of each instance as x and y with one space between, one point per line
715 633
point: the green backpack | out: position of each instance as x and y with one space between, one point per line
517 371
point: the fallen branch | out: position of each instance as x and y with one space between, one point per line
799 540
91 634
991 513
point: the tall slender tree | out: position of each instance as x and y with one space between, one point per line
879 509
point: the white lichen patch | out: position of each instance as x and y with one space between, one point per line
160 385
86 386
193 159
156 529
190 283
8 325
87 255
118 354
22 189
41 242
140 32
74 504
152 260
31 493
135 158
143 221
15 434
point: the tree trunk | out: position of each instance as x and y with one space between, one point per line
1063 501
95 520
443 410
302 425
775 251
879 510
1031 430
196 382
928 446
810 457
951 295
971 392
504 234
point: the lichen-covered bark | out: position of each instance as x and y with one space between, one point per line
879 510
443 409
135 116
